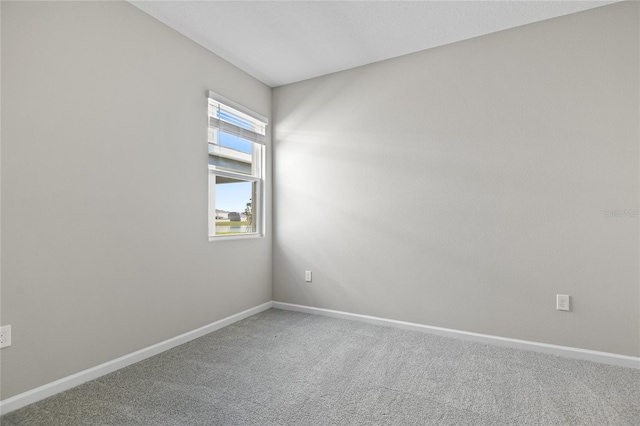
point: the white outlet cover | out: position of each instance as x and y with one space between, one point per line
5 336
562 302
307 276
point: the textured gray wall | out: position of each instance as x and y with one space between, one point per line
465 186
104 189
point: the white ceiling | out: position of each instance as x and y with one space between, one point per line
281 42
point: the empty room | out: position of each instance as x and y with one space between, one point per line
320 213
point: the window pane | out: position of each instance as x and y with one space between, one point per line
234 206
235 143
228 152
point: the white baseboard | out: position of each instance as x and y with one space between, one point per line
50 389
566 351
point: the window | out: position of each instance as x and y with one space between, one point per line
236 169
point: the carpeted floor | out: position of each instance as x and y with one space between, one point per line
288 368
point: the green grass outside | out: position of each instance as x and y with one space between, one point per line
232 223
244 224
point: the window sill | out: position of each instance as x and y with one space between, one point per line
235 237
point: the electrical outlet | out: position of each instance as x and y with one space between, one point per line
5 336
562 302
307 276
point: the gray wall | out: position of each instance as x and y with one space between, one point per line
465 186
104 196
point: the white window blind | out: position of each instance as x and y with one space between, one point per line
236 120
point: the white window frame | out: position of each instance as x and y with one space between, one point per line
257 175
